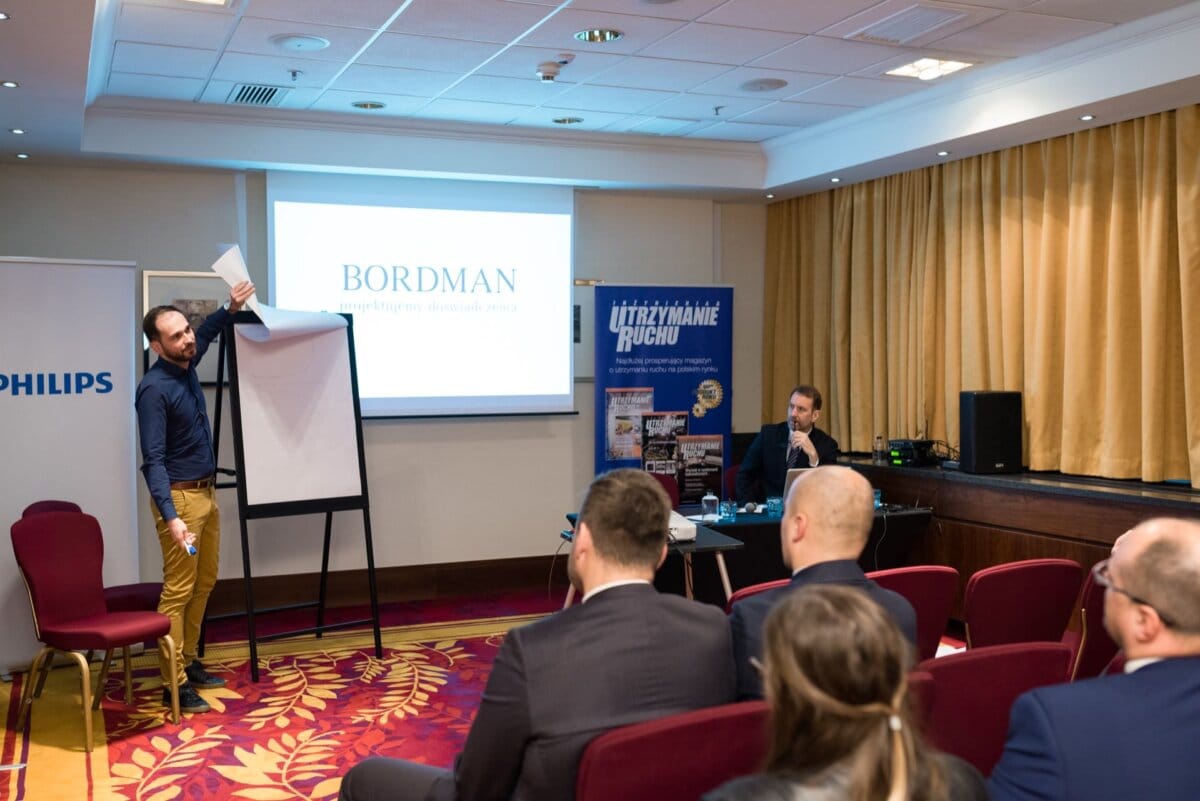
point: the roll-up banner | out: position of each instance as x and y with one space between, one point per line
663 382
67 344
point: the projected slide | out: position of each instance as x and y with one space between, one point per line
456 311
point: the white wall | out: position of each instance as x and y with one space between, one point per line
446 490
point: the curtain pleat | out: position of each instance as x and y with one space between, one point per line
1067 269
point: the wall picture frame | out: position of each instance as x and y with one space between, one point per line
196 294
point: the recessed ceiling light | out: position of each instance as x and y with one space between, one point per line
299 42
368 105
9 84
4 16
943 153
22 155
599 35
835 180
770 196
1087 117
208 2
16 131
764 85
928 68
568 120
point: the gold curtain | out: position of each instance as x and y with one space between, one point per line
1067 269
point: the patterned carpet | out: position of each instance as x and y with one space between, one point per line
320 706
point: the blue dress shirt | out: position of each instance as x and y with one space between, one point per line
173 421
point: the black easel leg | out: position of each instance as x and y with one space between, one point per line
324 575
371 584
251 634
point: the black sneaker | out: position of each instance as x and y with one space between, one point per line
189 699
199 677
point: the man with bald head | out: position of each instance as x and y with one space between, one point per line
1131 735
827 518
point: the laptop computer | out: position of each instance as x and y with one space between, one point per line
792 474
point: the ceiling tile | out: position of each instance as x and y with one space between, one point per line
610 98
254 36
544 118
798 114
366 78
731 83
428 52
741 132
172 26
793 16
493 89
656 126
344 13
218 92
477 20
1114 11
559 31
702 107
471 111
246 68
859 91
394 105
673 9
1016 34
659 73
156 86
179 62
522 62
832 56
718 43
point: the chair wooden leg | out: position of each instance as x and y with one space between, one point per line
173 667
128 676
42 674
27 694
99 694
85 683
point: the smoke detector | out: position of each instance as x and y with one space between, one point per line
547 71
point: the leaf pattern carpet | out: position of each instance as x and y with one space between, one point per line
320 706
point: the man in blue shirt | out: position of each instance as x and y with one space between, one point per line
180 472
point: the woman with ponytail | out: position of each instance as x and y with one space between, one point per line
835 675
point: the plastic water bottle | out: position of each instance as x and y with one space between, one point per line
879 453
708 504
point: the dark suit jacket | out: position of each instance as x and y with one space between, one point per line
748 615
1120 737
628 654
765 462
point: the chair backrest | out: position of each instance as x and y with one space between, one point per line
671 485
729 481
1094 649
61 556
930 589
676 758
41 507
753 589
920 694
975 689
1024 601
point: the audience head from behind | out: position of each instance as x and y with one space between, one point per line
1152 581
621 530
835 675
827 516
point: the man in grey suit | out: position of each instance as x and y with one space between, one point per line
625 654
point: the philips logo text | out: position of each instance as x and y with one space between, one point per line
56 383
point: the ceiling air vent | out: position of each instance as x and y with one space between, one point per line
256 94
905 26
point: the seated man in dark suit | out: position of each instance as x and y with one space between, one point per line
827 518
1131 735
796 442
624 655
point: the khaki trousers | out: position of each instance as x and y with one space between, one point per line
188 580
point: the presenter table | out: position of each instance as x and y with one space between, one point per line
895 531
679 555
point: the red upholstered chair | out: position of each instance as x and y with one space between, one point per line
60 556
675 758
671 486
753 589
920 694
1024 601
729 481
142 597
1093 649
973 692
930 589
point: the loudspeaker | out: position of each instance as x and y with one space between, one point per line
990 429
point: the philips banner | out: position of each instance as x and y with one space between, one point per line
663 371
67 345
